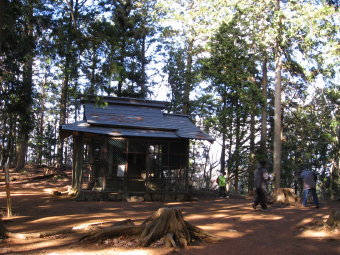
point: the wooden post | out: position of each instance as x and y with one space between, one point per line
186 169
8 192
126 166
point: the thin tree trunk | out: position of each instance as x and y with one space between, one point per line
237 147
92 90
223 149
229 162
263 142
277 154
224 128
4 148
62 119
3 8
10 140
42 114
188 79
143 71
332 168
252 165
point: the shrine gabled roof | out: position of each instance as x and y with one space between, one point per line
127 117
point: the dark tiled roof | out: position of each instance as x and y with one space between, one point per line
125 115
83 126
135 118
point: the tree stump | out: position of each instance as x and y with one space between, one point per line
284 196
166 224
333 220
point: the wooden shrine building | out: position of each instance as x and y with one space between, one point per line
128 148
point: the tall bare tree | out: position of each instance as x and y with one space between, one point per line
277 153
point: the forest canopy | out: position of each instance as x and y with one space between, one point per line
261 77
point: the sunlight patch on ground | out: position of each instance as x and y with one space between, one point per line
220 214
267 217
223 230
81 218
323 234
175 203
231 233
195 217
49 190
216 226
17 194
38 244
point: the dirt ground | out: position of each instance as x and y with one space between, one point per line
285 230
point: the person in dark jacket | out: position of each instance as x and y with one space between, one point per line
309 186
261 178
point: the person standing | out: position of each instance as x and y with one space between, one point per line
261 178
221 181
309 186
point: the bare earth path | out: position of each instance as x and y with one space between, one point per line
282 230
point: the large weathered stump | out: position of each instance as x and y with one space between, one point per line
284 196
165 224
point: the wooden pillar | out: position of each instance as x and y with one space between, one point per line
147 166
187 167
104 166
77 171
126 166
8 192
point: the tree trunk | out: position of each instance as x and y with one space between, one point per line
277 154
143 88
62 120
3 9
25 125
41 118
21 152
252 165
188 79
224 129
4 148
237 147
331 180
263 142
92 89
64 97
